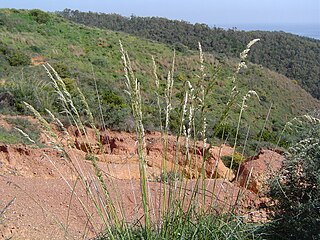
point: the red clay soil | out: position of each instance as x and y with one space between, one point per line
257 170
42 196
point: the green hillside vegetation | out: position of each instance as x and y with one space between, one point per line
295 57
88 58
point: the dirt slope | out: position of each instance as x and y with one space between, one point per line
48 200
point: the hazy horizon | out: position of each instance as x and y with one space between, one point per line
303 29
201 11
269 14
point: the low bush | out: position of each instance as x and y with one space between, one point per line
39 16
18 58
296 191
233 161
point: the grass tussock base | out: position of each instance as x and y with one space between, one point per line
195 226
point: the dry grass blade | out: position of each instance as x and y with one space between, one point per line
3 211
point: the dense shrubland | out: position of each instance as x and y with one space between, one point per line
293 56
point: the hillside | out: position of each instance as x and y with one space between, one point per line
295 57
89 58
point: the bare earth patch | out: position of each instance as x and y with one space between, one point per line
48 201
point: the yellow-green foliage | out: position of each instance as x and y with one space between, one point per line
39 16
233 161
70 84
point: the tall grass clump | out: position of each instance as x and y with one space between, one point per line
187 207
181 216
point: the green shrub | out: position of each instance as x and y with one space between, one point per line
39 16
237 160
13 56
118 119
180 47
296 192
100 62
224 130
70 84
268 136
17 58
113 100
62 69
35 49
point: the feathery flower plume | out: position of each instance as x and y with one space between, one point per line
24 134
244 54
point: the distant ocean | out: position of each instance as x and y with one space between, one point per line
306 30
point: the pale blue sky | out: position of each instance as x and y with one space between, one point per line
211 12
